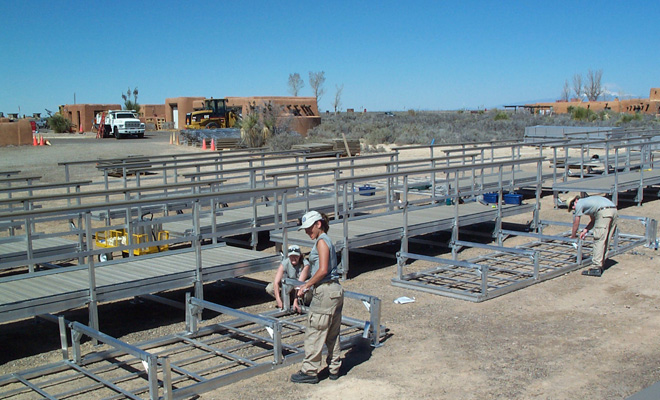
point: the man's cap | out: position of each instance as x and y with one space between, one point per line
309 218
294 251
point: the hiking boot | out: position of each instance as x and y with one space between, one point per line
593 272
301 377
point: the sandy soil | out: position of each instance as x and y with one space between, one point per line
573 337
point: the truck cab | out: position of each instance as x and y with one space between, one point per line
121 124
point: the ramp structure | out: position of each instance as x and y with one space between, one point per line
505 269
186 364
406 213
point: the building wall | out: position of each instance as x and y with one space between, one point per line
182 105
151 114
630 106
153 111
82 115
303 112
17 133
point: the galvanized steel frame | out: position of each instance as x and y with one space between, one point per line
241 347
507 269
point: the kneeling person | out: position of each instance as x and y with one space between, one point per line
295 266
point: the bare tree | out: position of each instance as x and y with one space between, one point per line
593 89
316 81
337 103
295 83
566 92
577 86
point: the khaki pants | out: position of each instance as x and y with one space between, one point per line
604 227
323 326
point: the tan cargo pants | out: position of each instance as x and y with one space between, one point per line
603 230
323 326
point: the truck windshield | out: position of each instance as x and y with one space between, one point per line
125 115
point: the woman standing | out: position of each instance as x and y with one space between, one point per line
324 318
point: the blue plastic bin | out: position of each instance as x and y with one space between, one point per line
367 190
512 198
490 197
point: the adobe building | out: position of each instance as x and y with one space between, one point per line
152 114
176 109
301 112
82 115
630 106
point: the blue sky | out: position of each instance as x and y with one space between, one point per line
388 55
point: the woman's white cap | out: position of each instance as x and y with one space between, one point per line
309 219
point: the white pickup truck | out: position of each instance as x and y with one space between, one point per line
120 123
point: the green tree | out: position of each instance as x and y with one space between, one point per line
131 104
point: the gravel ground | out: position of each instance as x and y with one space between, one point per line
573 337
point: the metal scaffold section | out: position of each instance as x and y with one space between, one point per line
148 263
183 365
505 269
625 165
406 213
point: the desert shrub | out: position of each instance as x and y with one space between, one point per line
253 133
284 140
624 119
380 135
59 124
411 113
581 113
373 149
261 123
501 115
425 127
637 119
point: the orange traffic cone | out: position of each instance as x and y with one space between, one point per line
41 141
213 144
34 140
203 144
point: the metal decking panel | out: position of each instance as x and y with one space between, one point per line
383 228
12 251
605 183
242 218
55 291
